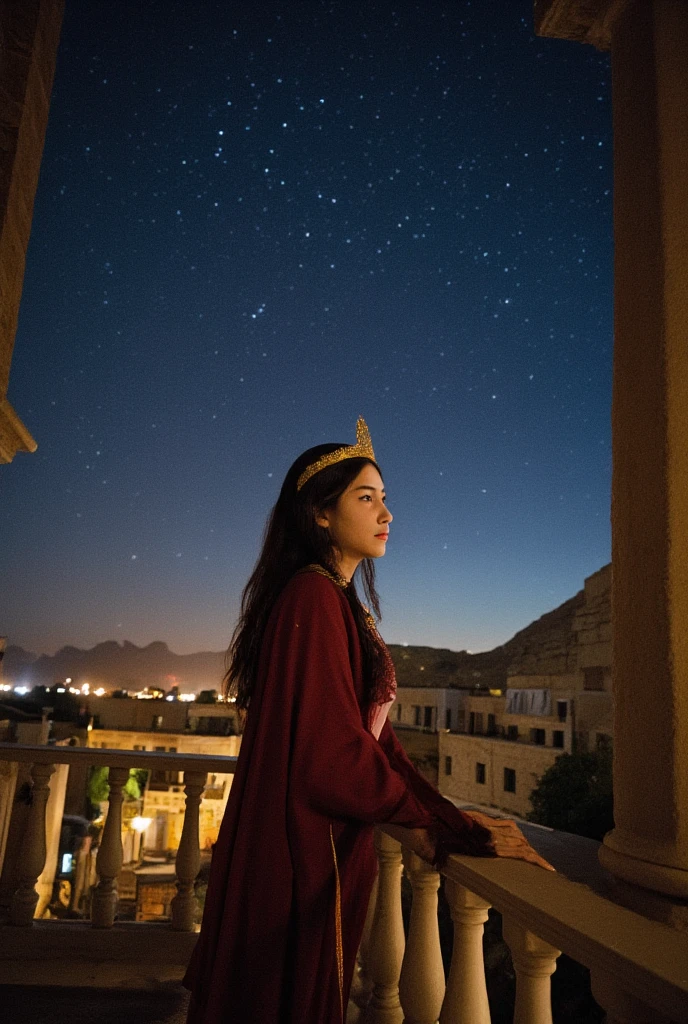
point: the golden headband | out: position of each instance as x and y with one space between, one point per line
363 449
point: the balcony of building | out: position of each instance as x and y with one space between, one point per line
639 966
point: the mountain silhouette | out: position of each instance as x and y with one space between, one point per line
114 665
545 646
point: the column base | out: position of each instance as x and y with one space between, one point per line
662 878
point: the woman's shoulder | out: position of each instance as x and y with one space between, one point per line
313 598
312 585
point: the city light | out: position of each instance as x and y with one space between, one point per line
100 692
21 690
60 689
86 689
187 696
140 824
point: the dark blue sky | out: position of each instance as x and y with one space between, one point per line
253 224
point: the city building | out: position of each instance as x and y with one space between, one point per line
558 699
214 718
162 804
427 707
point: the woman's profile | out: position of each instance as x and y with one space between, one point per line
319 764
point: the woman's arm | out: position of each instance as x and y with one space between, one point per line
506 839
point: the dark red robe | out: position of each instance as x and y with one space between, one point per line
267 951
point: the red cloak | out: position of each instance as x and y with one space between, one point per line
309 774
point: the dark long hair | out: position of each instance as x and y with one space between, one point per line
292 540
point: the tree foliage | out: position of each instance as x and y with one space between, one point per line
575 795
99 788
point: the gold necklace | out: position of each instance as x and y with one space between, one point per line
342 582
336 577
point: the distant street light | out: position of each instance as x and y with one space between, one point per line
140 824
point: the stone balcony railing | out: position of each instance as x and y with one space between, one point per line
639 967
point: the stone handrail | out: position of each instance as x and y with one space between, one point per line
157 759
43 760
639 967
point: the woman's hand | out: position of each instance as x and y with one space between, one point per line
421 843
508 840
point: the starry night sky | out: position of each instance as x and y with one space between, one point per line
253 224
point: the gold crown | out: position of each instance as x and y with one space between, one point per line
363 449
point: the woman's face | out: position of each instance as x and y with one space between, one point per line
359 522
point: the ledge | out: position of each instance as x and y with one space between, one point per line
143 955
14 436
581 21
155 759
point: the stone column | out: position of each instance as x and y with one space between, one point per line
534 962
465 1001
29 34
649 845
33 848
188 861
649 44
386 950
422 985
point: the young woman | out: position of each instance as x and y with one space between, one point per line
319 766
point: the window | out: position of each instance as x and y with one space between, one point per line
479 721
427 717
447 766
562 710
471 722
537 736
398 712
512 732
480 773
447 719
139 746
491 725
156 723
461 721
558 738
509 780
416 714
593 678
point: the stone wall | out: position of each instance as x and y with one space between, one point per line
528 762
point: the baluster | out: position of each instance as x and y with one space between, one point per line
621 1007
421 986
466 999
387 936
33 848
188 855
109 859
362 983
534 961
